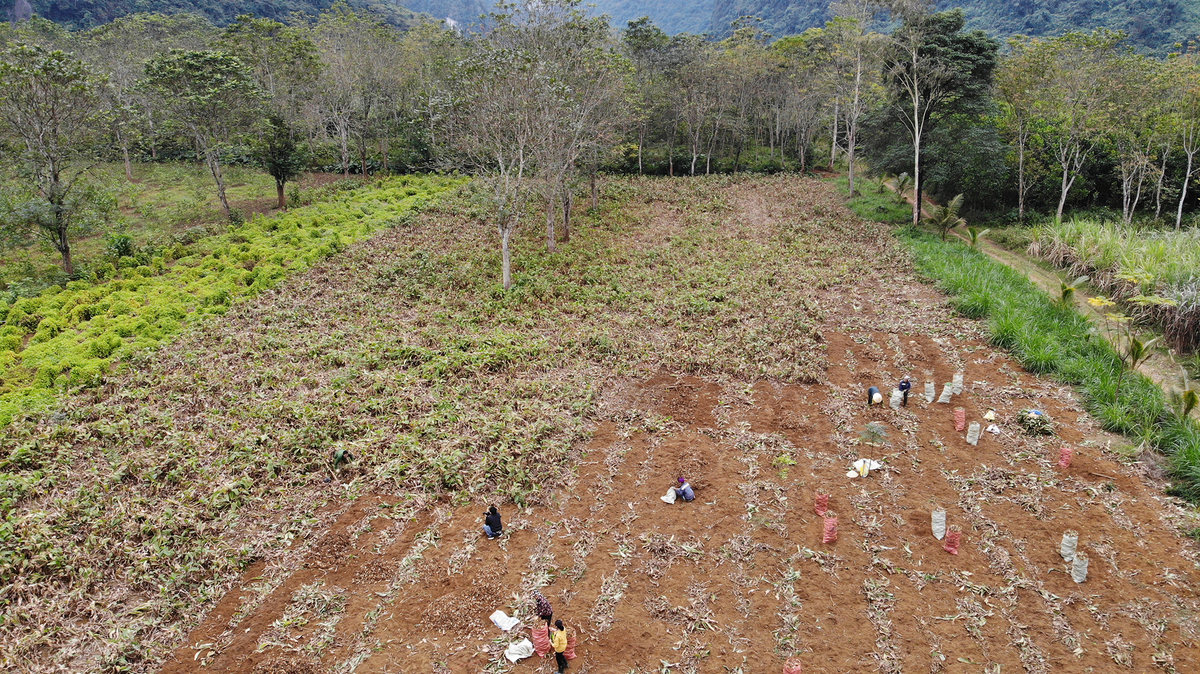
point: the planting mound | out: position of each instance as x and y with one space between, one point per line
721 330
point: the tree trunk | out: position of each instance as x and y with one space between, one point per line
214 167
279 191
64 249
1021 140
345 147
641 143
1183 194
568 199
1162 174
128 165
550 242
1066 187
595 192
383 150
916 175
505 256
362 154
833 142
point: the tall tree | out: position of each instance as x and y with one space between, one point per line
1071 109
49 104
933 69
1020 80
211 95
1184 78
283 60
856 54
120 49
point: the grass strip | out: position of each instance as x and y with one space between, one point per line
1052 339
70 337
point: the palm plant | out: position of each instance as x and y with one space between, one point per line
946 218
904 185
973 233
1067 290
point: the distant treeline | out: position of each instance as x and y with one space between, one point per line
548 94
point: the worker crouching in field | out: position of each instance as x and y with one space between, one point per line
874 397
492 526
558 639
684 491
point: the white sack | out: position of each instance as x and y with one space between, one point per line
1079 568
973 432
946 393
930 391
519 651
501 619
1070 541
958 384
897 398
668 497
938 521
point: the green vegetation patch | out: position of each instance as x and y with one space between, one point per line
1129 261
71 336
1048 337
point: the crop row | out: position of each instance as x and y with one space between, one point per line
71 336
1053 339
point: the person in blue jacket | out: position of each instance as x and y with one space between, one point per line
905 386
684 491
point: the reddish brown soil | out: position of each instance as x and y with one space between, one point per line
755 584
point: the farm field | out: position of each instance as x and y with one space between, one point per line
185 516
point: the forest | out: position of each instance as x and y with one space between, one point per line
1030 126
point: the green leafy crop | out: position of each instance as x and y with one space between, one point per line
70 337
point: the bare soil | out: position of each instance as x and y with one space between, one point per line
739 580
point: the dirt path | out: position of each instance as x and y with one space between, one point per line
740 579
1162 368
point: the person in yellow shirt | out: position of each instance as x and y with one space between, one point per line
558 639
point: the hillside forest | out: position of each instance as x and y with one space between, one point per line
548 96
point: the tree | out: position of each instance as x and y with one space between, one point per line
1019 80
211 95
282 59
119 49
856 53
1071 107
1184 88
276 149
50 104
933 69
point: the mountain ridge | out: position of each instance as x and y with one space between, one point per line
1154 25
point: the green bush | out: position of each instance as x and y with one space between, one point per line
1049 338
76 334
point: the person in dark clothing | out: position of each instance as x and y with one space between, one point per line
558 639
492 526
905 386
542 606
874 397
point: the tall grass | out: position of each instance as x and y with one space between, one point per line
1166 263
1049 338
